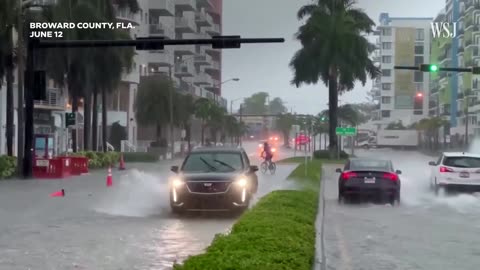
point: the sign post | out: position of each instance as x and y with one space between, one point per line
345 131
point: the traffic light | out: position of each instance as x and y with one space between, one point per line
428 68
69 119
418 103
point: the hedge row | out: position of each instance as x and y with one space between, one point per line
97 160
140 157
8 166
278 233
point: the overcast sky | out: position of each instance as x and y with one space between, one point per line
264 67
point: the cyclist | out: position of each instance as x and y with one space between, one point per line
267 153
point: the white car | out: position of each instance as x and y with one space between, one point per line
455 170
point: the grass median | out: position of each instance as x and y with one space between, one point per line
278 233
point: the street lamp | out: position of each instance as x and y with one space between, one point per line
231 104
217 85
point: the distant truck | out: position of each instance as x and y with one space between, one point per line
396 139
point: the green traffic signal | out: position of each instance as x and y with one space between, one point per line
428 68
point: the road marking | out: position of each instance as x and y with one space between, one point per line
345 257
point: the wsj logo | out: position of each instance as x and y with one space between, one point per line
444 29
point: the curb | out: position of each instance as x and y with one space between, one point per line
320 261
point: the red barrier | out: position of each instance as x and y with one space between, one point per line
79 165
59 167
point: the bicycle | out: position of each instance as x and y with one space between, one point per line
265 166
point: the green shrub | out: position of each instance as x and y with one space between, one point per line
8 166
140 157
325 154
97 160
278 234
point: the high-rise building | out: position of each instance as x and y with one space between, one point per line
402 42
455 95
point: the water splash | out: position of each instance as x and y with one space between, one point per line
137 194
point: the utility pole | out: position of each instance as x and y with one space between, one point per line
241 112
20 98
466 121
170 97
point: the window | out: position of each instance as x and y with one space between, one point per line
387 31
213 161
386 86
387 45
419 49
380 165
418 76
386 100
386 72
462 162
418 60
420 34
386 59
385 114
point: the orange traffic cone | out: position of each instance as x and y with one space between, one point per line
122 163
60 193
109 177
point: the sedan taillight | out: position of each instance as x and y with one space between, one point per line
390 176
445 169
348 175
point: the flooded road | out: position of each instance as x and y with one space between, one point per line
127 226
425 232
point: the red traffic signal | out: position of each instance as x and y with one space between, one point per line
419 95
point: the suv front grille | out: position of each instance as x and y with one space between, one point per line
208 187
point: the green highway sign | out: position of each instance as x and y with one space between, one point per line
346 131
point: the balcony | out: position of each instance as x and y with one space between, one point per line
475 52
203 60
185 5
184 70
203 19
161 8
55 100
213 69
161 30
186 88
126 15
205 4
181 50
468 43
161 58
213 30
185 25
203 79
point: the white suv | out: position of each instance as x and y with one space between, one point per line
457 170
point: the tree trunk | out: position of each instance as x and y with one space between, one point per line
95 121
158 133
188 135
74 131
9 78
332 113
87 124
202 139
104 120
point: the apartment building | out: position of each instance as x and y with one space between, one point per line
401 41
455 95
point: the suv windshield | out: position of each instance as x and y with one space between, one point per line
462 162
218 162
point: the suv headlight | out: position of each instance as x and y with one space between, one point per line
242 182
178 182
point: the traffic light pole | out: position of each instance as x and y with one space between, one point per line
217 42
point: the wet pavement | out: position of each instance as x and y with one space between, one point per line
424 232
128 226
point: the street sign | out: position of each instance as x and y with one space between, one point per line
70 119
346 131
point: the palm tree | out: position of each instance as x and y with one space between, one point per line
202 112
284 124
7 25
151 106
184 109
334 50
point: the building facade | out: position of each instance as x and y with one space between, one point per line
453 95
402 42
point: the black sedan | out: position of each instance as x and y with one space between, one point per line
373 177
214 178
